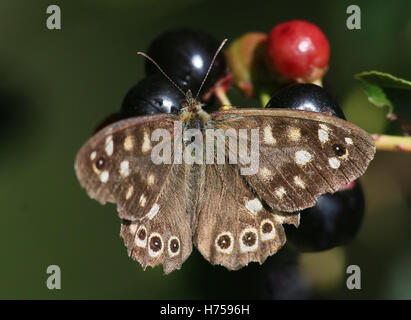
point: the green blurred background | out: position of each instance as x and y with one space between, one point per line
62 83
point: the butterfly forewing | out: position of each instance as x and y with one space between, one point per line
301 154
233 227
115 165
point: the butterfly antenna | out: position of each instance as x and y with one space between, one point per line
161 70
211 65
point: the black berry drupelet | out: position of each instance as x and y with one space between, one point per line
185 55
306 96
333 221
153 94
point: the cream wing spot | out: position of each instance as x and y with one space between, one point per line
268 136
323 135
346 155
280 192
125 168
142 200
302 157
146 146
133 228
104 176
266 173
267 230
150 180
128 143
153 211
109 145
254 206
280 218
130 191
224 242
248 240
324 127
299 182
334 163
294 134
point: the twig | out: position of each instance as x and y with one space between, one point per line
392 143
264 98
219 92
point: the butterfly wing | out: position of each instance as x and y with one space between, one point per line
232 227
302 154
115 165
164 237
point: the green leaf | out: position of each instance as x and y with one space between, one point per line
382 79
383 89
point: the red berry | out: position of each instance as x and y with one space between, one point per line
298 50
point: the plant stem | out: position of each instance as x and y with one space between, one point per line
318 82
264 98
392 143
221 96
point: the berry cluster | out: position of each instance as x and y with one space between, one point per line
185 56
292 57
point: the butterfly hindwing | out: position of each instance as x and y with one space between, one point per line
233 227
115 165
302 154
164 237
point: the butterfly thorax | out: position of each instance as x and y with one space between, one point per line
192 113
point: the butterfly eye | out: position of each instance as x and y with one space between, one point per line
155 243
267 227
142 234
174 245
249 238
224 242
267 230
338 150
98 166
100 163
141 238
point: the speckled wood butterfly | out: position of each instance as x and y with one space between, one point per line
231 218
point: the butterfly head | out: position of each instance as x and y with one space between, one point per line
191 109
190 103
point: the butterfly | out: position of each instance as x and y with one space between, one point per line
230 217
